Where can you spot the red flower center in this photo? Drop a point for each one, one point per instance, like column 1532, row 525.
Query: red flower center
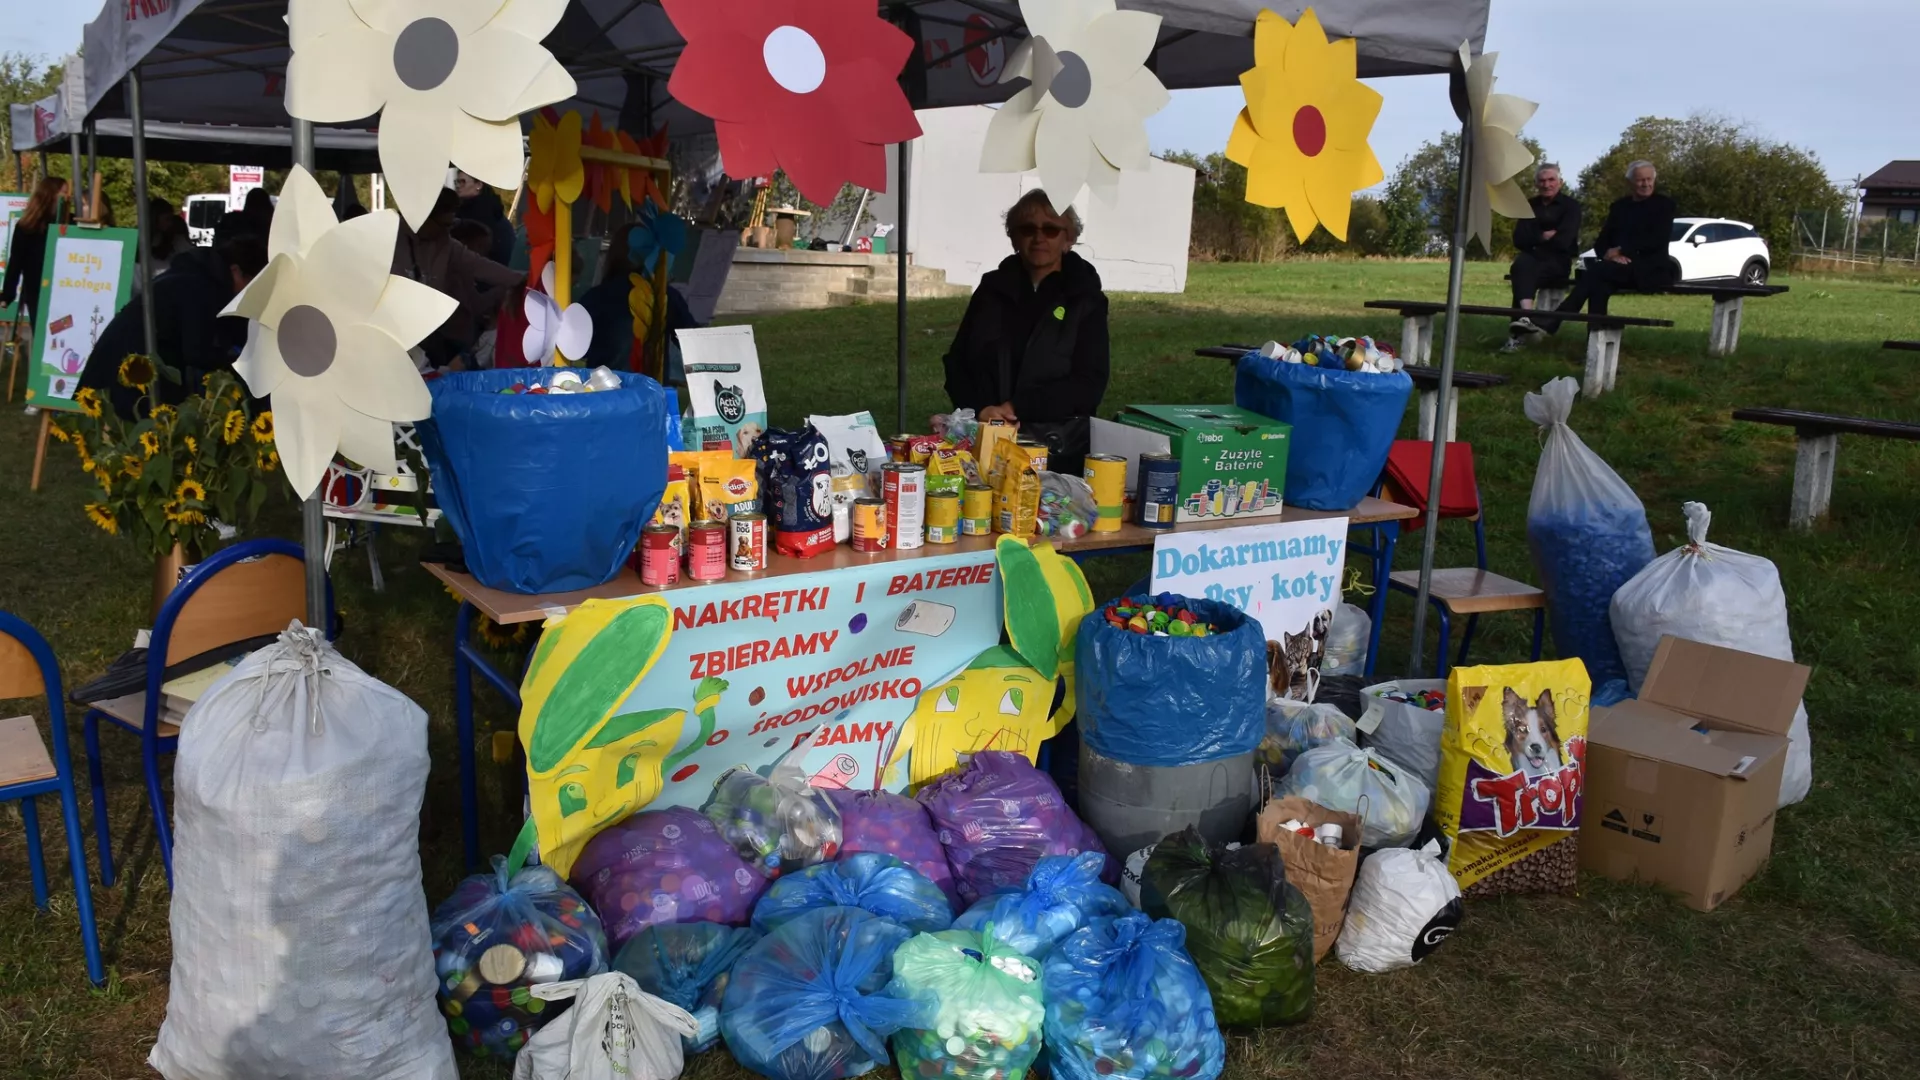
column 1309, row 130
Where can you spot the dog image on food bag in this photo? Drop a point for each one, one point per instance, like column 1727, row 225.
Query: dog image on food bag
column 1293, row 662
column 1532, row 740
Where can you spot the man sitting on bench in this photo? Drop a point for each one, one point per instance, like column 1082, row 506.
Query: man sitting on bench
column 1546, row 243
column 1633, row 252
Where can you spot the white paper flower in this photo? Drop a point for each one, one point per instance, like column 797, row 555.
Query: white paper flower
column 330, row 332
column 549, row 327
column 1084, row 117
column 449, row 79
column 1498, row 153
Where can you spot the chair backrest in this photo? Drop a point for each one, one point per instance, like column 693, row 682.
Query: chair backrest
column 251, row 589
column 1409, row 472
column 20, row 675
column 28, row 669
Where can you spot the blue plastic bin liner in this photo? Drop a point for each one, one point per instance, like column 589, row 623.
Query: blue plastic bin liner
column 546, row 493
column 1125, row 1002
column 1166, row 701
column 878, row 884
column 689, row 965
column 1343, row 423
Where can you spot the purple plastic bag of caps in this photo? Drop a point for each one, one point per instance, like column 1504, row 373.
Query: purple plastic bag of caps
column 998, row 817
column 665, row 866
column 796, row 489
column 891, row 824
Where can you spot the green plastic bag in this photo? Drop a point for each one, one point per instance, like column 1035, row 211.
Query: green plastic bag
column 988, row 1001
column 1249, row 931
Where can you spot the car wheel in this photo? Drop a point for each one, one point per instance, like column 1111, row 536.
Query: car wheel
column 1755, row 272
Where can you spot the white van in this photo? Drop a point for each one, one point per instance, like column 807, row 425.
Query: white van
column 203, row 213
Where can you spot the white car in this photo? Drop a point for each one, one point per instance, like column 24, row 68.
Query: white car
column 1716, row 249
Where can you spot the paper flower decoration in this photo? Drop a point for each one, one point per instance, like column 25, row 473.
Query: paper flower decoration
column 1498, row 153
column 801, row 85
column 330, row 332
column 658, row 232
column 644, row 184
column 1303, row 134
column 1084, row 118
column 449, row 79
column 554, row 169
column 551, row 327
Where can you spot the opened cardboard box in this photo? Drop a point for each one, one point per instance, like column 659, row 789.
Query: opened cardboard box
column 1682, row 783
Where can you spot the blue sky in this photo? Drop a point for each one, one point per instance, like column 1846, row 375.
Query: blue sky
column 1831, row 77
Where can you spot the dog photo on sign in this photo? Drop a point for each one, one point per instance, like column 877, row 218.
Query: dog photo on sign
column 1293, row 662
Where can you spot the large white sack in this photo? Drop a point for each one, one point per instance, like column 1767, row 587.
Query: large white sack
column 1404, row 905
column 300, row 942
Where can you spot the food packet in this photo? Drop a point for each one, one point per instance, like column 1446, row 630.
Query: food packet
column 729, row 487
column 1017, row 502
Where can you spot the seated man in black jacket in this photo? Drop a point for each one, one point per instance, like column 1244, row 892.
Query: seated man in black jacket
column 1547, row 241
column 1032, row 348
column 1632, row 248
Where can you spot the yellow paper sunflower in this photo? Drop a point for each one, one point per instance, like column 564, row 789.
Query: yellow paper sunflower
column 103, row 517
column 149, row 443
column 1303, row 134
column 136, row 372
column 233, row 427
column 163, row 415
column 263, row 427
column 190, row 491
column 89, row 402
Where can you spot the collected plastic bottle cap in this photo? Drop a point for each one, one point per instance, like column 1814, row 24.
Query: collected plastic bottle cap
column 564, row 381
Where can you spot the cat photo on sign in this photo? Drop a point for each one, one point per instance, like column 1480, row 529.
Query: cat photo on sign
column 1293, row 662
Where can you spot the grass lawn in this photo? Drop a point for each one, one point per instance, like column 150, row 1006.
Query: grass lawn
column 1813, row 970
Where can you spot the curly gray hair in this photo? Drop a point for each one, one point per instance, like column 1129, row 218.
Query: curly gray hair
column 1037, row 199
column 1642, row 164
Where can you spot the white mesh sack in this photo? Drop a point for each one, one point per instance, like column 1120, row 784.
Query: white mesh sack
column 1717, row 596
column 1404, row 905
column 300, row 941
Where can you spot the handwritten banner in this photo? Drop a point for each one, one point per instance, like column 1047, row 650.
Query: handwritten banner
column 86, row 279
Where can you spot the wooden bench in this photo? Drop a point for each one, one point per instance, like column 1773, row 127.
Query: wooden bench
column 1728, row 298
column 1426, row 379
column 1907, row 346
column 1603, row 335
column 1819, row 435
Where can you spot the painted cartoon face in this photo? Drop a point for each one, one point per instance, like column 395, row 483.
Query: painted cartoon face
column 998, row 703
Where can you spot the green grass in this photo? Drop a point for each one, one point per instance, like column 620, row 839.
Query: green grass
column 1813, row 970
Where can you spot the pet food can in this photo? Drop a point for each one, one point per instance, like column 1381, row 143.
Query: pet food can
column 747, row 542
column 943, row 518
column 976, row 510
column 1034, row 452
column 904, row 486
column 1159, row 490
column 1329, row 834
column 899, row 448
column 1107, row 476
column 707, row 551
column 869, row 525
column 659, row 555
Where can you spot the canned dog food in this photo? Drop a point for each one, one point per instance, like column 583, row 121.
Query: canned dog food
column 869, row 525
column 943, row 518
column 747, row 542
column 1106, row 474
column 707, row 551
column 904, row 486
column 976, row 510
column 659, row 555
column 898, row 448
column 1159, row 497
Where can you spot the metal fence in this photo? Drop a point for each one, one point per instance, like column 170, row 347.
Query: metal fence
column 1850, row 241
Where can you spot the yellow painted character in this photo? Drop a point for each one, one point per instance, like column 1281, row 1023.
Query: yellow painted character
column 997, row 703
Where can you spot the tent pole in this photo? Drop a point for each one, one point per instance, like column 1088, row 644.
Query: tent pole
column 93, row 168
column 313, row 524
column 142, row 217
column 899, row 247
column 1455, row 270
column 74, row 184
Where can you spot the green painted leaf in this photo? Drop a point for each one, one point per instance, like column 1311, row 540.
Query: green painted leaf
column 1033, row 619
column 631, row 723
column 596, row 682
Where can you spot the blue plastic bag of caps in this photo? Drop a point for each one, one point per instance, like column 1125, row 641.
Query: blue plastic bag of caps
column 1063, row 894
column 879, row 884
column 890, row 823
column 811, row 1000
column 689, row 965
column 1343, row 423
column 547, row 492
column 1125, row 1002
column 988, row 1008
column 1163, row 701
column 496, row 937
column 1588, row 534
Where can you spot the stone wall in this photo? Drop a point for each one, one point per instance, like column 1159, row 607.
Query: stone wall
column 764, row 280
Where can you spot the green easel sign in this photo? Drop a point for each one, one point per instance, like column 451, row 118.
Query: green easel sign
column 86, row 279
column 11, row 204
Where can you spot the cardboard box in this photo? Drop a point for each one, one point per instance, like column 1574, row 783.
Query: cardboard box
column 1682, row 784
column 1233, row 463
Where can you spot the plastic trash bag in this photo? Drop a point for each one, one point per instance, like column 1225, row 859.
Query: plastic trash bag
column 1125, row 1001
column 1707, row 593
column 1062, row 895
column 1343, row 422
column 1164, row 701
column 1404, row 905
column 688, row 964
column 987, row 1011
column 300, row 932
column 1295, row 727
column 615, row 1031
column 1347, row 641
column 779, row 822
column 494, row 939
column 879, row 884
column 1588, row 533
column 810, row 1001
column 997, row 817
column 1404, row 732
column 1390, row 802
column 665, row 866
column 1249, row 930
column 888, row 823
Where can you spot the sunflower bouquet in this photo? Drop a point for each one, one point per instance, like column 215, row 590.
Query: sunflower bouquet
column 167, row 478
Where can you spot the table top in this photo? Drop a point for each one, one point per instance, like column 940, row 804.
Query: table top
column 506, row 607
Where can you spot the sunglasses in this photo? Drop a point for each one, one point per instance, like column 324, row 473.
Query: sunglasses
column 1030, row 230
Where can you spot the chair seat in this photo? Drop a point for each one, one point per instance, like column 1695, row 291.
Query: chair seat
column 130, row 712
column 23, row 754
column 1470, row 591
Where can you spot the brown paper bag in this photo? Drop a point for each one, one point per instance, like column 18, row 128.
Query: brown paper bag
column 1324, row 874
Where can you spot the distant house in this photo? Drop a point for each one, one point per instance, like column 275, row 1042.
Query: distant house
column 1893, row 192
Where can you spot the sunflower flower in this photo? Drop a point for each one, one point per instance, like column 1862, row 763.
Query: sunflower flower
column 190, row 491
column 234, row 426
column 136, row 372
column 181, row 514
column 103, row 517
column 89, row 401
column 149, row 443
column 500, row 637
column 80, row 447
column 270, row 462
column 132, row 466
column 193, row 445
column 59, row 433
column 263, row 427
column 163, row 415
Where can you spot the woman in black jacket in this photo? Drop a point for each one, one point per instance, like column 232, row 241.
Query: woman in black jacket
column 1032, row 348
column 28, row 248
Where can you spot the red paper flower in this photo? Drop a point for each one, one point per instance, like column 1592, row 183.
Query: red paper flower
column 802, row 85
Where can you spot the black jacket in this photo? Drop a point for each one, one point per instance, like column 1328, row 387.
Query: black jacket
column 191, row 336
column 1044, row 349
column 25, row 256
column 1641, row 230
column 485, row 208
column 1559, row 215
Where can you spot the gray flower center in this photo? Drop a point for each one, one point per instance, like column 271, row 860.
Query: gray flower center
column 425, row 52
column 1074, row 84
column 307, row 340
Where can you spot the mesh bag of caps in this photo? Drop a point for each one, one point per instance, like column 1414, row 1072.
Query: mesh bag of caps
column 689, row 965
column 997, row 817
column 986, row 1011
column 498, row 936
column 1512, row 766
column 1062, row 895
column 878, row 884
column 1125, row 1000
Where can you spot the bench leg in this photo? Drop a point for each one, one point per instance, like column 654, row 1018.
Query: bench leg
column 1449, row 432
column 1813, row 479
column 1725, row 336
column 1603, row 360
column 1545, row 299
column 1416, row 339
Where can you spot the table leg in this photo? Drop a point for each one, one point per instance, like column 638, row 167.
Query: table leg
column 1382, row 569
column 463, row 729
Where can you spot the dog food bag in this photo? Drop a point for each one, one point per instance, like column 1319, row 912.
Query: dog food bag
column 689, row 965
column 796, row 483
column 1061, row 895
column 1389, row 800
column 987, row 1011
column 665, row 866
column 1402, row 721
column 1512, row 766
column 726, row 405
column 692, row 463
column 778, row 823
column 728, row 487
column 1404, row 905
column 1707, row 593
column 854, row 440
column 889, row 823
column 1295, row 727
column 998, row 816
column 1588, row 533
column 879, row 884
column 1125, row 1002
column 1248, row 929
